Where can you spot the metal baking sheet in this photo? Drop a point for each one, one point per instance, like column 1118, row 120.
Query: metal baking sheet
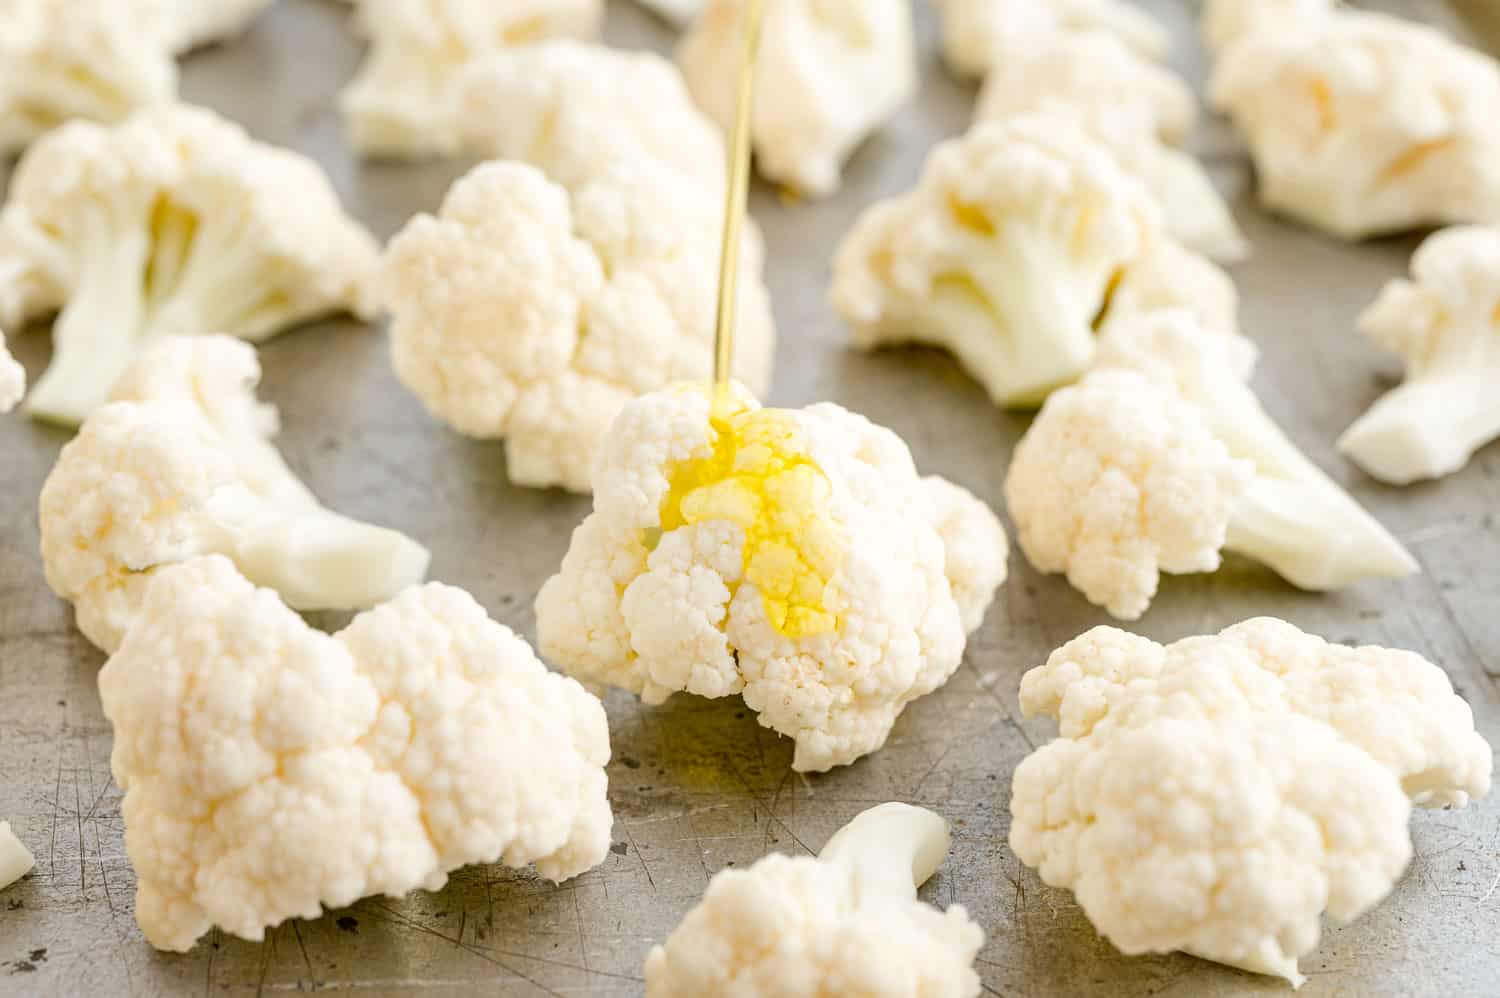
column 697, row 785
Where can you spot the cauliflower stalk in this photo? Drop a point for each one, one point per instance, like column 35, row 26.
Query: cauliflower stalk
column 15, row 859
column 183, row 466
column 847, row 922
column 12, row 378
column 979, row 35
column 1445, row 325
column 174, row 222
column 271, row 770
column 790, row 556
column 1161, row 459
column 1217, row 795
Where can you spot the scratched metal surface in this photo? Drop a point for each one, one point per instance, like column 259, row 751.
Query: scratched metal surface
column 697, row 786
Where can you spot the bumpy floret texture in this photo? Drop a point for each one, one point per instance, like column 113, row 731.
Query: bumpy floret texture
column 978, row 35
column 270, row 770
column 790, row 556
column 1219, row 794
column 12, row 379
column 1362, row 124
column 1226, row 22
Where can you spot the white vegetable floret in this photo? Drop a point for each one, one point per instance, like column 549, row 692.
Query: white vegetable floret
column 1362, row 124
column 1172, row 277
column 524, row 313
column 401, row 104
column 1162, row 458
column 15, row 859
column 847, row 922
column 174, row 222
column 1217, row 795
column 1140, row 110
column 1445, row 326
column 792, row 556
column 831, row 72
column 980, row 34
column 1226, row 22
column 12, row 378
column 271, row 770
column 183, row 466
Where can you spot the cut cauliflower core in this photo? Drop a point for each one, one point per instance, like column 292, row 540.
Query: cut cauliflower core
column 12, row 378
column 15, row 859
column 981, row 34
column 792, row 556
column 847, row 922
column 174, row 222
column 183, row 466
column 271, row 770
column 1216, row 796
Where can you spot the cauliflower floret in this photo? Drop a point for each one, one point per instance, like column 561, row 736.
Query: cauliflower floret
column 830, row 73
column 526, row 314
column 1004, row 253
column 1140, row 110
column 1226, row 22
column 1445, row 326
column 980, row 34
column 270, row 770
column 977, row 549
column 1161, row 458
column 1216, row 796
column 12, row 378
column 792, row 556
column 1172, row 277
column 1362, row 124
column 847, row 922
column 183, row 466
column 173, row 222
column 401, row 104
column 15, row 859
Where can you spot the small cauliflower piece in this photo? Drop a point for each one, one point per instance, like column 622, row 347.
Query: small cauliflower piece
column 271, row 770
column 1162, row 458
column 790, row 556
column 1226, row 22
column 978, row 552
column 174, row 222
column 980, row 34
column 1173, row 277
column 1140, row 110
column 830, row 73
column 12, row 378
column 1362, row 124
column 1445, row 326
column 184, row 467
column 1217, row 795
column 15, row 859
column 527, row 314
column 1004, row 253
column 402, row 102
column 847, row 922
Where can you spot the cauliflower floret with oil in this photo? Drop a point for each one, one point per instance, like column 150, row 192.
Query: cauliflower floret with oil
column 790, row 556
column 1226, row 22
column 830, row 73
column 1444, row 324
column 845, row 922
column 1218, row 795
column 401, row 104
column 183, row 466
column 980, row 34
column 173, row 222
column 12, row 378
column 1362, row 124
column 271, row 770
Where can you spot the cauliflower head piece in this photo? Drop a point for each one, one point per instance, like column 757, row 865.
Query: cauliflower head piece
column 845, row 922
column 789, row 556
column 979, row 35
column 1162, row 458
column 401, row 103
column 1226, row 22
column 182, row 467
column 173, row 222
column 831, row 72
column 1004, row 253
column 271, row 770
column 12, row 378
column 1444, row 324
column 1362, row 124
column 1217, row 795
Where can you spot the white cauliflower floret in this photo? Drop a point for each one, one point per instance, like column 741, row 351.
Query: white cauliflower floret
column 183, row 466
column 12, row 378
column 1004, row 253
column 1226, row 22
column 977, row 549
column 1362, row 124
column 980, row 34
column 792, row 556
column 847, row 922
column 1140, row 110
column 830, row 73
column 1445, row 326
column 526, row 314
column 15, row 859
column 174, row 222
column 271, row 770
column 1216, row 796
column 401, row 104
column 1163, row 457
column 1172, row 277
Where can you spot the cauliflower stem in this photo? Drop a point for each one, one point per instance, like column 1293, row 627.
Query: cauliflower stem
column 1431, row 426
column 889, row 851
